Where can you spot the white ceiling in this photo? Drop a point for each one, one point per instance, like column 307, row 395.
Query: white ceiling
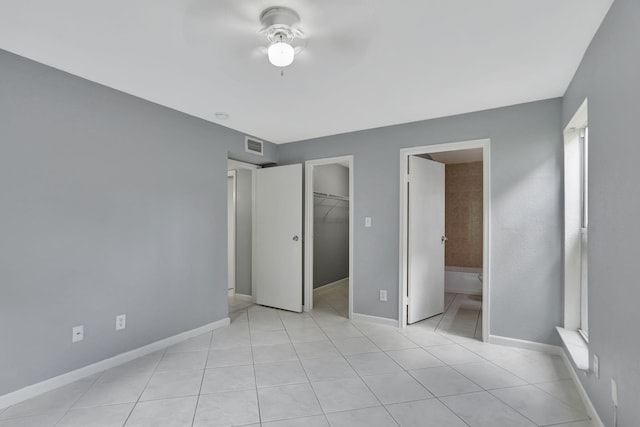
column 368, row 63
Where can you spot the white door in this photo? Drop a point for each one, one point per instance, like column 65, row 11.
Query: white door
column 231, row 230
column 426, row 239
column 278, row 240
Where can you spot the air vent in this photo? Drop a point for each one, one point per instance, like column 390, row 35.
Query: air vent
column 253, row 146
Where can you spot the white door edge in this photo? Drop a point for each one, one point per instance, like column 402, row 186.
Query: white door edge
column 236, row 164
column 232, row 236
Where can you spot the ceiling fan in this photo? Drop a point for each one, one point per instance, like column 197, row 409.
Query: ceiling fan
column 280, row 25
column 247, row 31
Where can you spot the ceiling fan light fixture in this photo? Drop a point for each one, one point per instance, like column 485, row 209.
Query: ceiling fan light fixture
column 281, row 54
column 279, row 25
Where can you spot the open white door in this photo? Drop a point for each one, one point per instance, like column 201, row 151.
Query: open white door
column 278, row 239
column 231, row 231
column 426, row 239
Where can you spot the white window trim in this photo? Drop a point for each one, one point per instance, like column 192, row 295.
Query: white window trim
column 575, row 341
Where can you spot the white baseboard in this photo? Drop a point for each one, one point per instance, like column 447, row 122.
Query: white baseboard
column 86, row 371
column 374, row 319
column 331, row 285
column 244, row 297
column 527, row 345
column 591, row 410
column 464, row 291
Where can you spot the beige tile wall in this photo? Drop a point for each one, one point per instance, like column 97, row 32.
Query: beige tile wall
column 463, row 214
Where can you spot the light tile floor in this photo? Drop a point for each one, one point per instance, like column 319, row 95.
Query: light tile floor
column 462, row 316
column 275, row 368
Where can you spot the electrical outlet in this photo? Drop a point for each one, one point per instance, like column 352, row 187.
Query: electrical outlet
column 596, row 366
column 367, row 221
column 614, row 392
column 383, row 295
column 77, row 333
column 121, row 321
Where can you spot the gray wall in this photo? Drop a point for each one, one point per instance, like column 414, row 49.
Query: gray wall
column 243, row 231
column 526, row 232
column 108, row 204
column 609, row 77
column 331, row 225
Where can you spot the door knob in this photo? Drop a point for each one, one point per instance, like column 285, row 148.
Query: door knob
column 444, row 239
column 295, row 238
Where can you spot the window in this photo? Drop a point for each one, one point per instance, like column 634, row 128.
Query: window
column 584, row 221
column 575, row 333
column 576, row 220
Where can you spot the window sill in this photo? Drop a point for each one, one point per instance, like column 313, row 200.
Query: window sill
column 576, row 347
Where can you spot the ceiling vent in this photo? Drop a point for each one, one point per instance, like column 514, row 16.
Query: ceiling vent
column 253, row 146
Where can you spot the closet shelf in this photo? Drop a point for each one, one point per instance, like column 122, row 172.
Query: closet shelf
column 336, row 198
column 330, row 196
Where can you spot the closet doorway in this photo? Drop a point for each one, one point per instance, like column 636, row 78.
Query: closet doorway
column 328, row 281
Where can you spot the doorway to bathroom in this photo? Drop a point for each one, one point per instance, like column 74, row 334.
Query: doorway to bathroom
column 444, row 241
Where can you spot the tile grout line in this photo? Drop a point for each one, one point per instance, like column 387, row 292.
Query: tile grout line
column 204, row 372
column 324, row 414
column 367, row 385
column 76, row 400
column 253, row 364
column 164, row 351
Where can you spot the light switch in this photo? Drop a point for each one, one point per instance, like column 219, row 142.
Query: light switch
column 367, row 221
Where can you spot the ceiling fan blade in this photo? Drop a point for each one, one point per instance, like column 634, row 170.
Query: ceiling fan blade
column 205, row 20
column 334, row 35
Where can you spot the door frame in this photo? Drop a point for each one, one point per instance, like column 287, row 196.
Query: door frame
column 232, row 254
column 485, row 144
column 235, row 165
column 308, row 228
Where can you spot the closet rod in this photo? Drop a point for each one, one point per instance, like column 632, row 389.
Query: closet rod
column 330, row 196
